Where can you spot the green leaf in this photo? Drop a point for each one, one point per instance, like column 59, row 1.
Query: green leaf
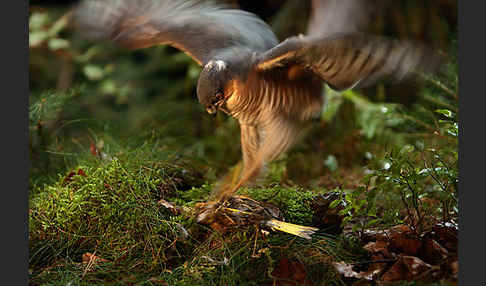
column 58, row 26
column 334, row 203
column 108, row 87
column 93, row 72
column 346, row 220
column 36, row 38
column 89, row 54
column 331, row 107
column 56, row 44
column 344, row 211
column 447, row 113
column 407, row 149
column 37, row 20
column 331, row 162
column 372, row 222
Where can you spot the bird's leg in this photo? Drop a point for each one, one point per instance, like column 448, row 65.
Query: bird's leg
column 250, row 142
column 280, row 135
column 247, row 175
column 229, row 180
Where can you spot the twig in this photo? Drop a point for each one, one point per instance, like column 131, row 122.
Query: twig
column 90, row 263
column 253, row 255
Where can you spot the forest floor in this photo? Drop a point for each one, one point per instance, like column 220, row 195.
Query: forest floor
column 130, row 219
column 122, row 157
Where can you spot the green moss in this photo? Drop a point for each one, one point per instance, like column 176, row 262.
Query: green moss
column 111, row 208
column 294, row 202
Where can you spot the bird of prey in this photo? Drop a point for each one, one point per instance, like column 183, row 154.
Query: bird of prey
column 272, row 88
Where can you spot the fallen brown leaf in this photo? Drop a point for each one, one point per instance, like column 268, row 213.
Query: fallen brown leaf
column 347, row 270
column 373, row 235
column 405, row 240
column 363, row 282
column 415, row 265
column 326, row 217
column 290, row 273
column 432, row 252
column 446, row 235
column 383, row 234
column 406, row 268
column 378, row 247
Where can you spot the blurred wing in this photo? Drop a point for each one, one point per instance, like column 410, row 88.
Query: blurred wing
column 352, row 60
column 199, row 29
column 328, row 17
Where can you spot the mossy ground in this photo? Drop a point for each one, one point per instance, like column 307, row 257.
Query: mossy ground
column 112, row 132
column 109, row 207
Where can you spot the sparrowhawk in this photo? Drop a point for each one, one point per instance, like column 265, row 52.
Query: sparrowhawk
column 273, row 89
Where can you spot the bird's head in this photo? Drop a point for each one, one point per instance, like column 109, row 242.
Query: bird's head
column 211, row 86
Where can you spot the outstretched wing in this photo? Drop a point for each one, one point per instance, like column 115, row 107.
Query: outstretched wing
column 200, row 29
column 351, row 60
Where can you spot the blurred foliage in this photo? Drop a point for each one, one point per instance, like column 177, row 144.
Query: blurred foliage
column 414, row 181
column 131, row 122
